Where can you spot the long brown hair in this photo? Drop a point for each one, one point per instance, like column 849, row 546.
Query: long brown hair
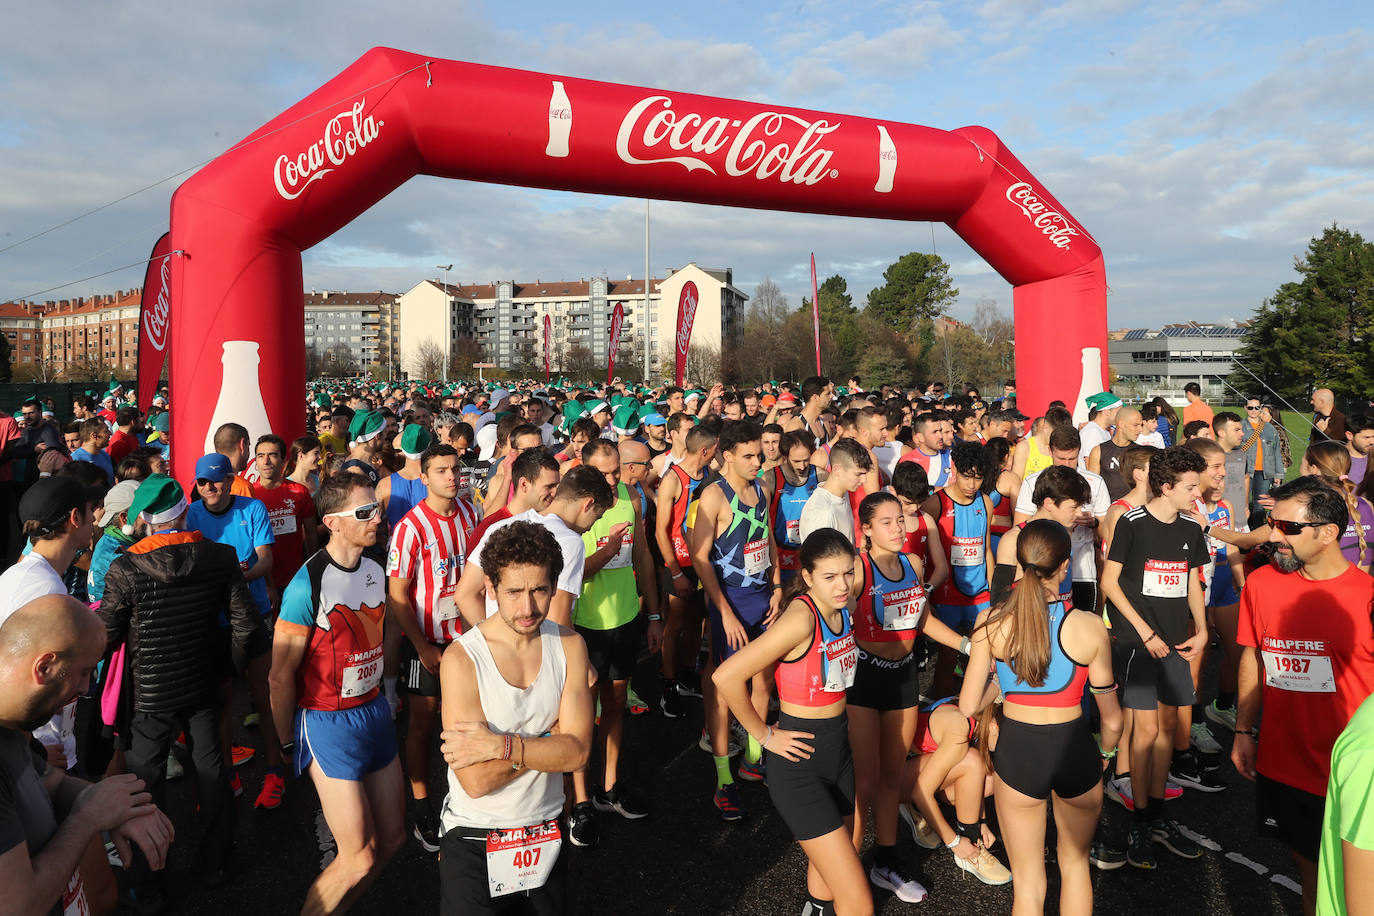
column 1331, row 461
column 1041, row 548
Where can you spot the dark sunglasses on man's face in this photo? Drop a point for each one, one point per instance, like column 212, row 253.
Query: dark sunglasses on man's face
column 1290, row 528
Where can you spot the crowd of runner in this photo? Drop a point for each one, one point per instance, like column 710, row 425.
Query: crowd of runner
column 484, row 570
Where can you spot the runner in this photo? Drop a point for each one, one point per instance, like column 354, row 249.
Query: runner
column 962, row 512
column 428, row 550
column 1033, row 452
column 1152, row 592
column 676, row 509
column 1001, row 486
column 534, row 473
column 929, row 451
column 922, row 533
column 810, row 770
column 788, row 486
column 326, row 666
column 1346, row 866
column 1105, row 458
column 400, row 491
column 1097, row 430
column 1306, row 672
column 1060, row 491
column 677, row 427
column 290, row 511
column 889, row 612
column 828, row 506
column 735, row 558
column 607, row 619
column 506, row 683
column 1044, row 654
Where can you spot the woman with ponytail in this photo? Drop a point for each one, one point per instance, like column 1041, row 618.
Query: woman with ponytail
column 1044, row 655
column 810, row 768
column 890, row 610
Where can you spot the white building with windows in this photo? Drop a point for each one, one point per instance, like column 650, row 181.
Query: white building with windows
column 1163, row 361
column 349, row 319
column 506, row 317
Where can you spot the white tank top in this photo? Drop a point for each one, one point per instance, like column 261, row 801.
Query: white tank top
column 532, row 797
column 668, row 461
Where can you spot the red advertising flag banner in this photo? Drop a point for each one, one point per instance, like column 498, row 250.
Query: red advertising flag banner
column 617, row 320
column 548, row 345
column 686, row 313
column 815, row 314
column 154, row 320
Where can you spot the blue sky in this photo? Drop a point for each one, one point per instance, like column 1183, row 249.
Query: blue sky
column 1202, row 144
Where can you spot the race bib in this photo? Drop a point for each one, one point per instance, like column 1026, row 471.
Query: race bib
column 966, row 551
column 359, row 678
column 755, row 557
column 522, row 859
column 445, row 609
column 1297, row 672
column 624, row 556
column 285, row 523
column 902, row 610
column 794, row 531
column 841, row 661
column 1165, row 579
column 74, row 897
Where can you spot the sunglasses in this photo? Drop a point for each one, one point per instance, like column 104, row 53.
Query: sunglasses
column 1248, row 407
column 1289, row 528
column 362, row 513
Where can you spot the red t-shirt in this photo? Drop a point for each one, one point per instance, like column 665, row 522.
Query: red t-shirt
column 1317, row 648
column 121, row 444
column 290, row 509
column 500, row 514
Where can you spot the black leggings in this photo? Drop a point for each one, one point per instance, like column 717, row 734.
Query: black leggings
column 1037, row 759
column 815, row 795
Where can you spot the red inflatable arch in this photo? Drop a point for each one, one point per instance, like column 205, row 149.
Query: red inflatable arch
column 243, row 220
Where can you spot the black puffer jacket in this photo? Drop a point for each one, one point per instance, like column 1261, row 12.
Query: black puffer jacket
column 164, row 596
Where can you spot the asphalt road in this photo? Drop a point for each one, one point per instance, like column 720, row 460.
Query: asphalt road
column 683, row 860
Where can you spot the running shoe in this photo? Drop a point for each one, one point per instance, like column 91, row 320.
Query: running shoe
column 728, row 803
column 252, row 720
column 174, row 768
column 622, row 801
column 239, row 755
column 892, row 878
column 1118, row 789
column 1172, row 790
column 236, row 784
column 984, row 867
column 1104, row 858
column 1141, row 852
column 426, row 834
column 671, row 702
column 273, row 787
column 689, row 685
column 1166, row 833
column 1202, row 741
column 1187, row 770
column 754, row 772
column 1226, row 718
column 181, row 741
column 583, row 829
column 921, row 831
column 635, row 704
column 704, row 742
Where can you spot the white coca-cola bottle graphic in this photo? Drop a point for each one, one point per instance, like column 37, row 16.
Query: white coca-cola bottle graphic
column 887, row 161
column 560, row 122
column 1090, row 385
column 240, row 393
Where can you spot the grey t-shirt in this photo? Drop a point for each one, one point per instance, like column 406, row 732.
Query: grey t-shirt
column 1234, row 489
column 26, row 814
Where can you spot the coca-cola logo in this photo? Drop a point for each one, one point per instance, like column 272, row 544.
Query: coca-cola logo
column 344, row 135
column 560, row 114
column 1051, row 223
column 617, row 318
column 155, row 321
column 767, row 144
column 686, row 312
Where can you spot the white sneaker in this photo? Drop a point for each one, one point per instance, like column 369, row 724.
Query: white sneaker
column 906, row 888
column 1202, row 740
column 984, row 867
column 174, row 768
column 1118, row 789
column 920, row 828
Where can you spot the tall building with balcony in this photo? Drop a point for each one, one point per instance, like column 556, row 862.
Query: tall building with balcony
column 353, row 320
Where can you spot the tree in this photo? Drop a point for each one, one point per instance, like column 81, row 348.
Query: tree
column 580, row 364
column 466, row 351
column 764, row 328
column 916, row 286
column 1317, row 332
column 338, row 361
column 427, row 360
column 703, row 365
column 840, row 340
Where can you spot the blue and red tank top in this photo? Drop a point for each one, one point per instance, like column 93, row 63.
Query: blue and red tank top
column 887, row 610
column 1064, row 678
column 784, row 514
column 821, row 674
column 684, row 514
column 964, row 529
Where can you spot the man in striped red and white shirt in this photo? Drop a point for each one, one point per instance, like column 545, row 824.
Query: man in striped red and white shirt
column 428, row 550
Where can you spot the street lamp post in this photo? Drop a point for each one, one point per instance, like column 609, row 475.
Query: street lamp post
column 448, row 318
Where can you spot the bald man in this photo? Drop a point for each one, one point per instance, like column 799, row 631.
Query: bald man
column 1105, row 459
column 1329, row 421
column 50, row 821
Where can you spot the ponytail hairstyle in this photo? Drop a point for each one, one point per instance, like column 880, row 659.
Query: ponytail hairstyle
column 1041, row 549
column 987, row 719
column 997, row 449
column 869, row 507
column 1330, row 462
column 822, row 544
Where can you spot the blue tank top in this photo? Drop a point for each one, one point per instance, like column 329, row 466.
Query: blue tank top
column 1064, row 678
column 404, row 496
column 739, row 555
column 964, row 529
column 887, row 610
column 788, row 502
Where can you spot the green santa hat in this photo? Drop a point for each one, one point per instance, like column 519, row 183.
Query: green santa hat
column 572, row 412
column 159, row 501
column 366, row 426
column 625, row 420
column 414, row 440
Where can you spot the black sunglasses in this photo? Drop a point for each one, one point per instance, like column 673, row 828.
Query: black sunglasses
column 1290, row 528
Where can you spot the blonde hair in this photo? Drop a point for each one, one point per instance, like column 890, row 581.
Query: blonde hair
column 1331, row 462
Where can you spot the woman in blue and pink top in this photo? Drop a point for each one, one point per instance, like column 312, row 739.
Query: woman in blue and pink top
column 810, row 770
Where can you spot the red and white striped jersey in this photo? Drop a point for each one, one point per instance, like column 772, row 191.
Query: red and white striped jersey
column 430, row 550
